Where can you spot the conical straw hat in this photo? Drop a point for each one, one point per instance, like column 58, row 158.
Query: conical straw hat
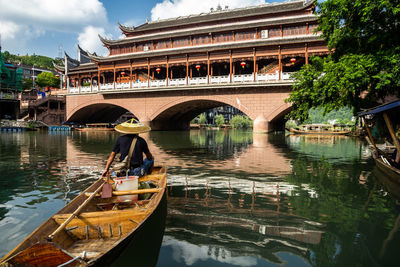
column 132, row 127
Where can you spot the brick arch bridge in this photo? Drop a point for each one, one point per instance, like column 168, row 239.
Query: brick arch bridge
column 174, row 109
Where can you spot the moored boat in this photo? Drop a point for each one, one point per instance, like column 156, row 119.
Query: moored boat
column 321, row 129
column 95, row 235
column 389, row 114
column 93, row 127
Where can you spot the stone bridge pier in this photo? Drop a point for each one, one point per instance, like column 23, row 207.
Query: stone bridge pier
column 174, row 109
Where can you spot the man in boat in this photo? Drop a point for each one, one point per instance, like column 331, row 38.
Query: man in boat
column 132, row 129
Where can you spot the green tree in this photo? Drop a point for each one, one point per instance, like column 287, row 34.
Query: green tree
column 219, row 120
column 45, row 79
column 27, row 84
column 364, row 66
column 202, row 118
column 238, row 122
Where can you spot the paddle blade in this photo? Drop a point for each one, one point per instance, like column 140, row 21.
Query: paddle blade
column 106, row 191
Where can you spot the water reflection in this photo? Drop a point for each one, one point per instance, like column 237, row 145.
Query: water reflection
column 234, row 198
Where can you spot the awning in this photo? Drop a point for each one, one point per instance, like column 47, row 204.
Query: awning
column 380, row 108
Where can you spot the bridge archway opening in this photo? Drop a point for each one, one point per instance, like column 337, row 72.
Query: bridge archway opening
column 102, row 113
column 279, row 121
column 178, row 117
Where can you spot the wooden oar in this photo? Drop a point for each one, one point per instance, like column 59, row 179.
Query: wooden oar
column 130, row 192
column 76, row 212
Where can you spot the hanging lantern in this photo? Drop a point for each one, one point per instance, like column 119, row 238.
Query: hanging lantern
column 293, row 60
column 123, row 73
column 243, row 64
column 158, row 70
column 198, row 67
column 57, row 76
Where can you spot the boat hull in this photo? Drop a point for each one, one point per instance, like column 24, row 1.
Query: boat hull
column 391, row 172
column 109, row 230
column 320, row 132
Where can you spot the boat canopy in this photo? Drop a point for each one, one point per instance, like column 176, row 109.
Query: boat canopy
column 381, row 108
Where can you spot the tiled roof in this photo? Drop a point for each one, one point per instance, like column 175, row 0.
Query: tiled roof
column 218, row 28
column 268, row 8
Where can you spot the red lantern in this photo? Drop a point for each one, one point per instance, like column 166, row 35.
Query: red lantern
column 198, row 67
column 158, row 70
column 123, row 73
column 293, row 60
column 57, row 76
column 243, row 64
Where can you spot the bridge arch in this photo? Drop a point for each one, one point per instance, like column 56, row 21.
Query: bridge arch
column 177, row 114
column 97, row 112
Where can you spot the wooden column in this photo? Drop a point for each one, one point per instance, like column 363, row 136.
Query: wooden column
column 306, row 53
column 233, row 36
column 167, row 71
column 187, row 69
column 212, row 71
column 91, row 82
column 211, row 36
column 114, row 74
column 191, row 41
column 281, row 31
column 79, row 83
column 391, row 131
column 191, row 73
column 208, row 68
column 98, row 78
column 280, row 63
column 230, row 66
column 171, row 74
column 172, row 43
column 307, row 28
column 148, row 72
column 254, row 63
column 130, row 75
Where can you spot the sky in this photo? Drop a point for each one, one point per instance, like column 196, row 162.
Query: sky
column 48, row 27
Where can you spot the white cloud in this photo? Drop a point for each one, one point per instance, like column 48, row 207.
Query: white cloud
column 24, row 20
column 89, row 40
column 176, row 8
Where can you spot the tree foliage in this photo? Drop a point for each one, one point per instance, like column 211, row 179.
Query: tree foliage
column 27, row 84
column 238, row 122
column 30, row 60
column 219, row 120
column 202, row 118
column 45, row 79
column 364, row 66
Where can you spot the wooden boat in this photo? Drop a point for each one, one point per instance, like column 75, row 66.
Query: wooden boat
column 384, row 161
column 90, row 127
column 320, row 129
column 98, row 234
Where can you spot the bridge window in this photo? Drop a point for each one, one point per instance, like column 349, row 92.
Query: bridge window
column 245, row 35
column 180, row 42
column 222, row 37
column 274, row 32
column 162, row 44
column 294, row 30
column 199, row 40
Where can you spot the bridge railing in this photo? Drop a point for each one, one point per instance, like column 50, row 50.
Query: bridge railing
column 181, row 82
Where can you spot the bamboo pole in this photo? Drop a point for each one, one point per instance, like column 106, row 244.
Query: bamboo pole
column 76, row 212
column 391, row 131
column 370, row 136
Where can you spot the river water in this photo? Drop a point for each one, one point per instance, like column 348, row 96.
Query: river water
column 234, row 198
